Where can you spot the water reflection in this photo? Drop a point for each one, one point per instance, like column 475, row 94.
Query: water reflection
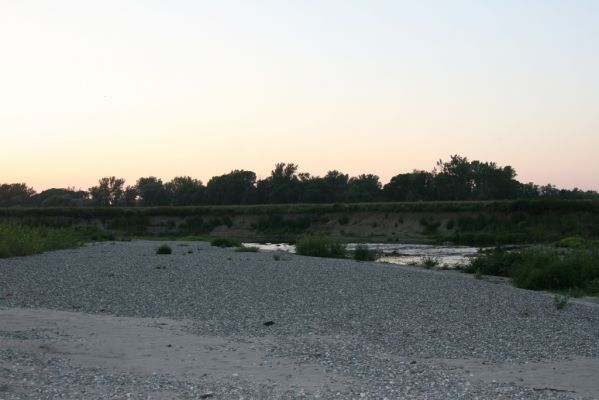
column 396, row 253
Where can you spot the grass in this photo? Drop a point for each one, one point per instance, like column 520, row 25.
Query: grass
column 572, row 271
column 577, row 242
column 534, row 206
column 23, row 240
column 429, row 261
column 247, row 249
column 164, row 249
column 225, row 242
column 561, row 302
column 320, row 246
column 363, row 253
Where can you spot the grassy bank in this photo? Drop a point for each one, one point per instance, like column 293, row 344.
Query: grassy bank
column 23, row 240
column 508, row 206
column 571, row 271
column 470, row 223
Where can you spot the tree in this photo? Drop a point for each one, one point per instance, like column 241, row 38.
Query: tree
column 185, row 191
column 413, row 186
column 282, row 186
column 59, row 197
column 236, row 187
column 15, row 194
column 152, row 192
column 364, row 188
column 108, row 192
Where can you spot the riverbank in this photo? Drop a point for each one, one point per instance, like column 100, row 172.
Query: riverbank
column 369, row 330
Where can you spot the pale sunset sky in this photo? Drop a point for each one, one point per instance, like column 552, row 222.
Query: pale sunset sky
column 169, row 88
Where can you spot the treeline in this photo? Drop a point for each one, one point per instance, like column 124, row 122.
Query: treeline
column 458, row 179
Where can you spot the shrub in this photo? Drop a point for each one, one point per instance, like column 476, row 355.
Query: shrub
column 363, row 253
column 344, row 220
column 225, row 242
column 496, row 262
column 543, row 269
column 249, row 249
column 164, row 249
column 429, row 262
column 276, row 257
column 320, row 246
column 561, row 302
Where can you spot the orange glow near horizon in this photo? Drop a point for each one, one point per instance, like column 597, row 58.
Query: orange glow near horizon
column 184, row 88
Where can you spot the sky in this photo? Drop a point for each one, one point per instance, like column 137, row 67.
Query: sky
column 169, row 88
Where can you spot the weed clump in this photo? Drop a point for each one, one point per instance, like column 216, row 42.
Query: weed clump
column 561, row 302
column 164, row 249
column 363, row 253
column 320, row 246
column 225, row 242
column 429, row 261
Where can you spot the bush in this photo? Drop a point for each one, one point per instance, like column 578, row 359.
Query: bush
column 320, row 246
column 542, row 269
column 363, row 253
column 496, row 262
column 249, row 249
column 225, row 242
column 429, row 262
column 164, row 249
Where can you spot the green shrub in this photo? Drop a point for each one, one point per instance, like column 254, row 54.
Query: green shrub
column 363, row 253
column 276, row 257
column 561, row 302
column 542, row 269
column 164, row 249
column 320, row 246
column 225, row 242
column 344, row 220
column 496, row 262
column 248, row 249
column 429, row 261
column 22, row 240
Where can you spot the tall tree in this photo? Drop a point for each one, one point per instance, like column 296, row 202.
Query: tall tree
column 108, row 192
column 15, row 194
column 185, row 191
column 236, row 187
column 152, row 192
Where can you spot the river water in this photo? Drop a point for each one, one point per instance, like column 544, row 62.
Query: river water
column 448, row 256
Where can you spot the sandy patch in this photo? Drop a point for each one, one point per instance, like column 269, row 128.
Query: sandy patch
column 143, row 346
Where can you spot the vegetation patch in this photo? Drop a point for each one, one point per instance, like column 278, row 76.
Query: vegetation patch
column 320, row 246
column 575, row 270
column 23, row 240
column 577, row 242
column 363, row 253
column 164, row 249
column 225, row 242
column 429, row 261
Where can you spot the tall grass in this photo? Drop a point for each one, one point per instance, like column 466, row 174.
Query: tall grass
column 320, row 246
column 22, row 240
column 543, row 269
column 363, row 253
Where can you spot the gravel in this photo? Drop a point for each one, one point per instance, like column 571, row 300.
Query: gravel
column 390, row 330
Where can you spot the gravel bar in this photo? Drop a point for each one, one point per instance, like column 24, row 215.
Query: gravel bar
column 374, row 330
